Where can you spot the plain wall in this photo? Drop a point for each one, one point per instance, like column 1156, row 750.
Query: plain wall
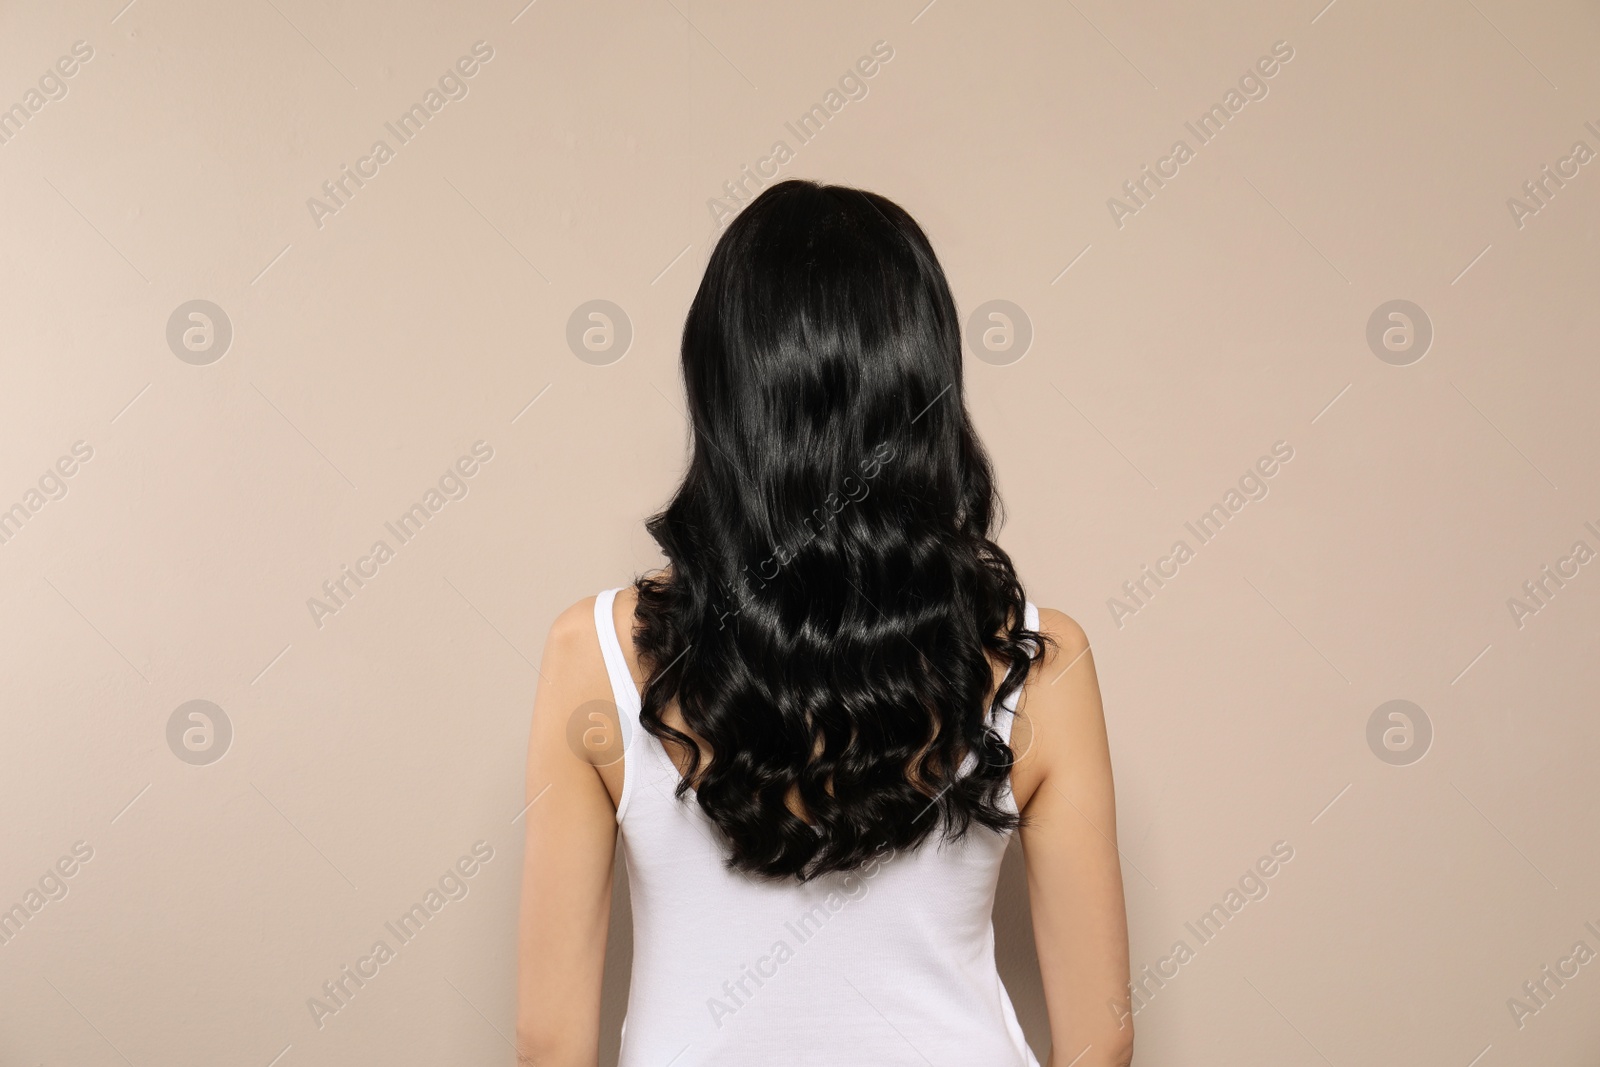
column 1174, row 342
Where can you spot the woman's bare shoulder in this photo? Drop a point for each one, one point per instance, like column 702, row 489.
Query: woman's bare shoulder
column 574, row 638
column 1069, row 638
column 576, row 710
column 1059, row 710
column 572, row 666
column 1066, row 644
column 574, row 622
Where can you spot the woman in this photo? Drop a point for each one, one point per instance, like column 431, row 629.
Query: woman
column 836, row 705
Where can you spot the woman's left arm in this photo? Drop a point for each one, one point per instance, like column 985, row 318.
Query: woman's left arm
column 571, row 834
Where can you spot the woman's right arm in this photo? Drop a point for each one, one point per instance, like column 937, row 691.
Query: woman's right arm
column 1080, row 926
column 570, row 843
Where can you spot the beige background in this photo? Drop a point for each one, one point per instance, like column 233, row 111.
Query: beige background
column 1229, row 313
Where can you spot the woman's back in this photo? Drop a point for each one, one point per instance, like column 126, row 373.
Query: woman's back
column 891, row 963
column 838, row 703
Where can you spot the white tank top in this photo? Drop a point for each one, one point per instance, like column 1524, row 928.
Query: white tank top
column 890, row 964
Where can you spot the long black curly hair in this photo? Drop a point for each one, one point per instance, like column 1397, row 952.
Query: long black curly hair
column 833, row 599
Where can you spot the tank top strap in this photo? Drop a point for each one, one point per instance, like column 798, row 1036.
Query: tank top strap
column 623, row 692
column 623, row 689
